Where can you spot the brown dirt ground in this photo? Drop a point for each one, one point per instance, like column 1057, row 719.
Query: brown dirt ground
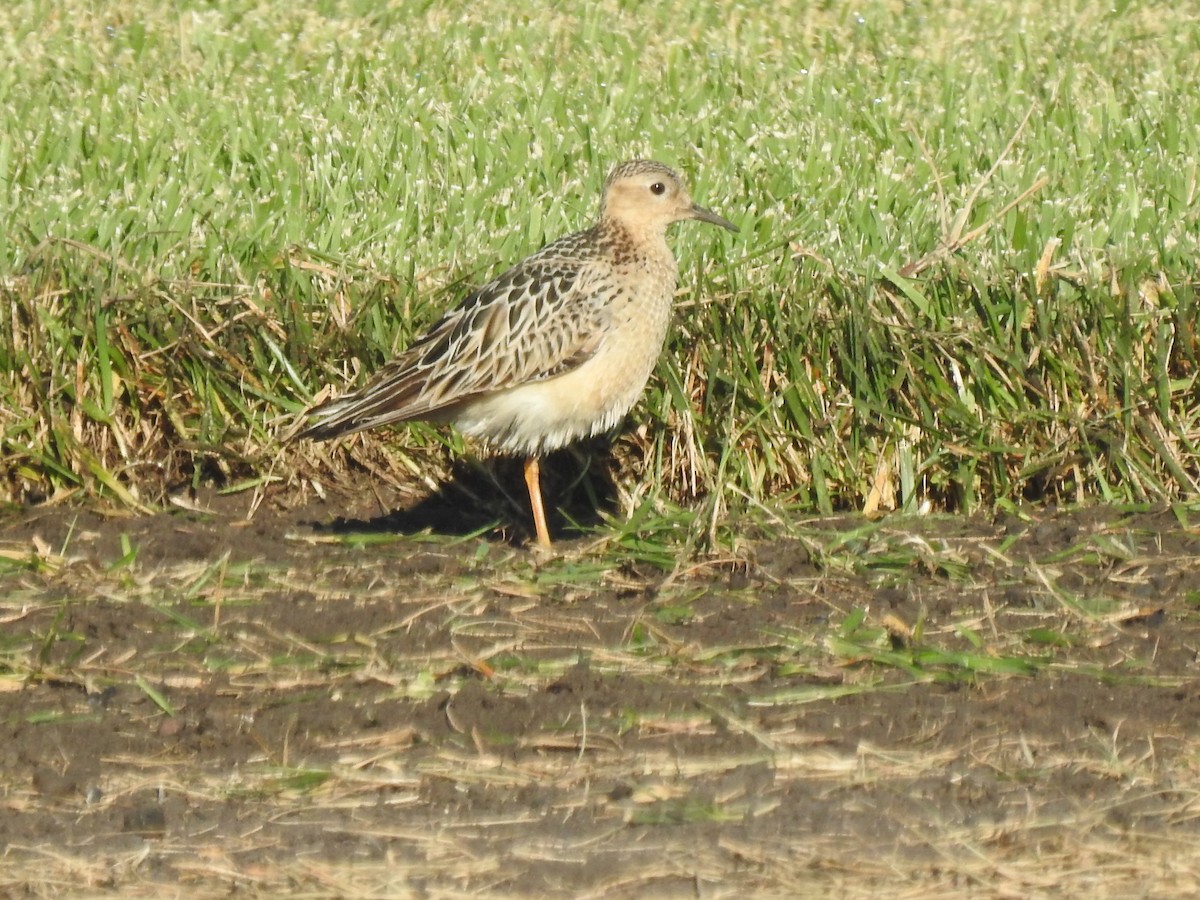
column 301, row 704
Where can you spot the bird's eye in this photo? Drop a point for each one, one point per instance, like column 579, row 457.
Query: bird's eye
column 658, row 188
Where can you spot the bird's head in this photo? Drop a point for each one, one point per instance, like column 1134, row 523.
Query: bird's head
column 647, row 196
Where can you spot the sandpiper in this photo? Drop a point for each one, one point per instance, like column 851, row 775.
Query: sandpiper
column 556, row 349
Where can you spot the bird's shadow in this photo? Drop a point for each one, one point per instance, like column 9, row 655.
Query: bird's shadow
column 488, row 498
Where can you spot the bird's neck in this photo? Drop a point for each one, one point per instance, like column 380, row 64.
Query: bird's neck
column 628, row 243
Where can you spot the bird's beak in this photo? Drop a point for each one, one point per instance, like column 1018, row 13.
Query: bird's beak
column 707, row 215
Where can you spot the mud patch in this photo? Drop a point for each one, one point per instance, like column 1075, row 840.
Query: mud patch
column 910, row 705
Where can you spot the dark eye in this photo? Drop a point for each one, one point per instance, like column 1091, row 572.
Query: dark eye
column 658, row 188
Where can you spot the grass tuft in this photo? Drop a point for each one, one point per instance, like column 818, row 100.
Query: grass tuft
column 965, row 277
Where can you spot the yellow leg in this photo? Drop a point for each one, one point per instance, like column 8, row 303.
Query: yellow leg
column 534, row 484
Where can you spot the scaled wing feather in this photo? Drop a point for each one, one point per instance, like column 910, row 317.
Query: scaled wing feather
column 535, row 321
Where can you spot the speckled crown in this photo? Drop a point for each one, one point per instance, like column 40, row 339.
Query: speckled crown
column 640, row 167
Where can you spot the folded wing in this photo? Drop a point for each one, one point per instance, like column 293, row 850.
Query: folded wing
column 536, row 321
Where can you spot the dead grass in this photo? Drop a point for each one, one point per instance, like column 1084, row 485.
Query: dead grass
column 459, row 719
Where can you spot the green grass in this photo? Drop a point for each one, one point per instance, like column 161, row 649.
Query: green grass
column 966, row 272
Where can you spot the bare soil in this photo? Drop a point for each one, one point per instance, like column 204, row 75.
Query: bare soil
column 314, row 702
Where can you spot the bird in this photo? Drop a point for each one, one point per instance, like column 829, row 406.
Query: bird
column 555, row 350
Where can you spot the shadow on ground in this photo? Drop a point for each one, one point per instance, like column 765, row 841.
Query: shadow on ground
column 488, row 498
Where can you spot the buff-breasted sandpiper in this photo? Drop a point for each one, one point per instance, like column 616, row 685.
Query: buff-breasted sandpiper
column 556, row 349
